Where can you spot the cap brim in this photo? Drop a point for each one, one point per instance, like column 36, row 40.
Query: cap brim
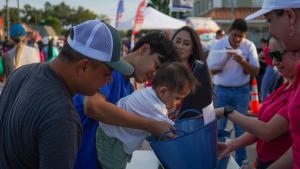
column 257, row 14
column 121, row 66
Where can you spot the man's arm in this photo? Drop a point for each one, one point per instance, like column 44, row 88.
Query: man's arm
column 58, row 142
column 98, row 108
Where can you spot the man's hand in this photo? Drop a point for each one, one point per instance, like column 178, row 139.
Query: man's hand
column 156, row 128
column 237, row 57
column 223, row 150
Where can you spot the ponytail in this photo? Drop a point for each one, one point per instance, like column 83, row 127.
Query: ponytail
column 19, row 52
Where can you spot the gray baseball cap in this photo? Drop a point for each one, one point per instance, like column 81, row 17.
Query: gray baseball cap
column 98, row 40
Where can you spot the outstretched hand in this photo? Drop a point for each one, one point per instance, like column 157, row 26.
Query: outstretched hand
column 223, row 150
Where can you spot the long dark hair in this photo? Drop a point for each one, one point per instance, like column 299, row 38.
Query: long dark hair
column 49, row 52
column 198, row 52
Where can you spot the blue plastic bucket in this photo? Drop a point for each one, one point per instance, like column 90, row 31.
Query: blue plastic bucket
column 193, row 149
column 222, row 135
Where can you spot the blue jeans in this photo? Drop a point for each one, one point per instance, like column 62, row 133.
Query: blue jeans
column 238, row 98
column 269, row 79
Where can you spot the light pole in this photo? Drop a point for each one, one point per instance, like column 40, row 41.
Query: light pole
column 232, row 9
column 18, row 7
column 7, row 19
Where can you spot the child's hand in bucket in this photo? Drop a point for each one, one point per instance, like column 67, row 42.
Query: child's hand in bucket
column 156, row 128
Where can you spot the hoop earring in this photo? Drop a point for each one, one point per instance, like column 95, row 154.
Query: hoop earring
column 292, row 30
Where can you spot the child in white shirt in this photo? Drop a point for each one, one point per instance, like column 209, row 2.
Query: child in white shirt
column 114, row 144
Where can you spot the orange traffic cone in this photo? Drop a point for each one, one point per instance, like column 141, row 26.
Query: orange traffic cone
column 254, row 103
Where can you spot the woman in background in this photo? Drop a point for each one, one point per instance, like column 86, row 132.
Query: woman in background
column 21, row 54
column 50, row 51
column 191, row 53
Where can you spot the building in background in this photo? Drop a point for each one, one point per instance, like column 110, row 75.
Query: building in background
column 223, row 12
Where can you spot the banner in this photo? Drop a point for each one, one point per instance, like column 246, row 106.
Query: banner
column 139, row 18
column 138, row 22
column 181, row 5
column 120, row 12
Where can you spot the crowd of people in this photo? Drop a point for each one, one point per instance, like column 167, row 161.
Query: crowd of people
column 77, row 108
column 20, row 49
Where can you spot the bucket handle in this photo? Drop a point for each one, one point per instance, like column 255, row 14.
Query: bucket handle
column 190, row 110
column 164, row 136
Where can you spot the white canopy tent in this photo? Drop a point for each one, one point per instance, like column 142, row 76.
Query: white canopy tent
column 203, row 24
column 153, row 19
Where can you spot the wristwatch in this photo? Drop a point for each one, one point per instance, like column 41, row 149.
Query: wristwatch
column 227, row 110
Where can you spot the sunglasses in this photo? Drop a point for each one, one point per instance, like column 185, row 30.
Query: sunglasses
column 276, row 55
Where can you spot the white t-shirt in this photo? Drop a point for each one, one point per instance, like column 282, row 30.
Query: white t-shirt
column 144, row 103
column 232, row 74
column 28, row 55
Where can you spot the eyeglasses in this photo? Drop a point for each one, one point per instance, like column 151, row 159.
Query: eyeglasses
column 276, row 55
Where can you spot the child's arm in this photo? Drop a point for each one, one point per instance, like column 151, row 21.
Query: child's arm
column 99, row 109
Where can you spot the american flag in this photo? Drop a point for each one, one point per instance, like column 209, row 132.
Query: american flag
column 120, row 12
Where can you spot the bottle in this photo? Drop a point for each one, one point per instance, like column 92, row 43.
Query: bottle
column 245, row 165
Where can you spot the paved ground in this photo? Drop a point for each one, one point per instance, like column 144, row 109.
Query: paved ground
column 251, row 150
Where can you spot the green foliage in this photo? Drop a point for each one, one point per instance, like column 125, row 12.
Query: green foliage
column 161, row 5
column 58, row 16
column 54, row 22
column 32, row 15
column 105, row 18
column 82, row 14
column 13, row 14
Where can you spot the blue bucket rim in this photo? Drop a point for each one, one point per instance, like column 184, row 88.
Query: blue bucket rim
column 179, row 137
column 187, row 119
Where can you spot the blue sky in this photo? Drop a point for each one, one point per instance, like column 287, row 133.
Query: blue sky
column 107, row 7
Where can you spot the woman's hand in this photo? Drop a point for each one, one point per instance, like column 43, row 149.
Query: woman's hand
column 219, row 112
column 223, row 150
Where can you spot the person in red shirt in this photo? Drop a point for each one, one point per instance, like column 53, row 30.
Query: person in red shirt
column 284, row 23
column 270, row 76
column 271, row 131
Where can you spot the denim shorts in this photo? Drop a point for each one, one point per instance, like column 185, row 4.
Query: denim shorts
column 110, row 152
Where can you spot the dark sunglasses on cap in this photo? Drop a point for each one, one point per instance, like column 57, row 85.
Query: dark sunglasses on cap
column 276, row 55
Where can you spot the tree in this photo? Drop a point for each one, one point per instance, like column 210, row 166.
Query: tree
column 48, row 9
column 63, row 12
column 32, row 15
column 81, row 15
column 54, row 22
column 105, row 18
column 13, row 14
column 58, row 16
column 161, row 5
